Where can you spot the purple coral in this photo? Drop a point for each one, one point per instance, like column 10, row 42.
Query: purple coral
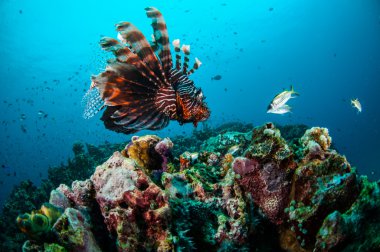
column 243, row 166
column 268, row 185
column 164, row 148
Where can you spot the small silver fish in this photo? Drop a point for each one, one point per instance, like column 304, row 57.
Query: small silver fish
column 281, row 99
column 281, row 110
column 356, row 104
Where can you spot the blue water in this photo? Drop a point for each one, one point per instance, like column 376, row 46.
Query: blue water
column 328, row 49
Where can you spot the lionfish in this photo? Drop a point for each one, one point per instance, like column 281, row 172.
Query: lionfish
column 140, row 88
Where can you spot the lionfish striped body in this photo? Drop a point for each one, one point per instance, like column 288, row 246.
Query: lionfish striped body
column 140, row 89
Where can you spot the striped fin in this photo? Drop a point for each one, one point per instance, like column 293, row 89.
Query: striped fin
column 142, row 48
column 133, row 75
column 134, row 117
column 153, row 43
column 161, row 37
column 122, row 53
column 186, row 50
column 118, row 90
column 177, row 50
column 196, row 65
column 125, row 55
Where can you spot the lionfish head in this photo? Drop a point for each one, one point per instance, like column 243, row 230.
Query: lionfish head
column 192, row 108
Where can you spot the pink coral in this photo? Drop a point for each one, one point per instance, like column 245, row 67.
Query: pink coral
column 243, row 166
column 74, row 231
column 267, row 183
column 126, row 194
column 213, row 159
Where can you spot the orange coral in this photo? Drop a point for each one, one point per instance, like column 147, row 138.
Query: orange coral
column 141, row 149
column 226, row 163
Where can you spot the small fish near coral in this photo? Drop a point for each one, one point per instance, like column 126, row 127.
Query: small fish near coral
column 278, row 104
column 140, row 88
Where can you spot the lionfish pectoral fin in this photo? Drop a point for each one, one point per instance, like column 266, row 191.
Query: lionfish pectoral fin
column 132, row 120
column 92, row 102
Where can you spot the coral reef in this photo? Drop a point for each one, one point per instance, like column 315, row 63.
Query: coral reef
column 133, row 206
column 26, row 196
column 356, row 229
column 230, row 191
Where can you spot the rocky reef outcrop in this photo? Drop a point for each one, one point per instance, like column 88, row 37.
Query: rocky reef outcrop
column 239, row 191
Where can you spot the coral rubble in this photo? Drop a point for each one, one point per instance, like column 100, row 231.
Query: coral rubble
column 231, row 191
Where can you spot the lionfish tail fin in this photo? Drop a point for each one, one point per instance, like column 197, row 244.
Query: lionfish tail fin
column 92, row 102
column 161, row 38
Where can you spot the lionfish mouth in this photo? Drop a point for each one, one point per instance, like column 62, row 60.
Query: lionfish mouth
column 140, row 88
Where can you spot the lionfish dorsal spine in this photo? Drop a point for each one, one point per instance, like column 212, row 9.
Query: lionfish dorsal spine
column 125, row 55
column 153, row 43
column 186, row 50
column 176, row 44
column 142, row 48
column 196, row 65
column 161, row 38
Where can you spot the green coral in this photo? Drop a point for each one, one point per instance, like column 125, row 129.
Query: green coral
column 38, row 224
column 358, row 228
column 23, row 198
column 193, row 223
column 222, row 142
column 53, row 247
column 267, row 143
column 26, row 196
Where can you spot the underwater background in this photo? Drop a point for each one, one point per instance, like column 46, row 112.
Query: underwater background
column 328, row 50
